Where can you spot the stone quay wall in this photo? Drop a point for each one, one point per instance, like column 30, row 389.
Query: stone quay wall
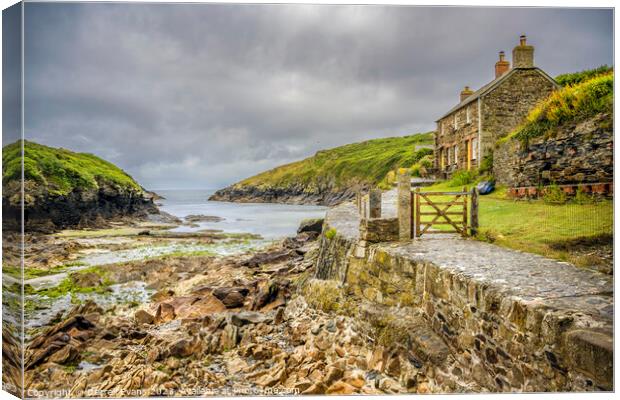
column 512, row 321
column 502, row 342
column 577, row 154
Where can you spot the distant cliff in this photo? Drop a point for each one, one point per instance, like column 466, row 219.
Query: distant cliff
column 66, row 189
column 330, row 176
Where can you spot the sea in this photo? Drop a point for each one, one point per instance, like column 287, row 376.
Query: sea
column 271, row 221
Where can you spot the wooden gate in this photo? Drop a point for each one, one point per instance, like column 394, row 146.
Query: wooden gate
column 446, row 210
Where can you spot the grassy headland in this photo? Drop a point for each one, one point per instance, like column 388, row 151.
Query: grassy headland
column 59, row 171
column 338, row 171
column 63, row 188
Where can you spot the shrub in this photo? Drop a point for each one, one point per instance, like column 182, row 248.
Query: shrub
column 420, row 168
column 427, row 161
column 390, row 177
column 389, row 331
column 463, row 177
column 581, row 197
column 582, row 76
column 486, row 165
column 488, row 235
column 553, row 194
column 331, row 233
column 420, row 154
column 327, row 296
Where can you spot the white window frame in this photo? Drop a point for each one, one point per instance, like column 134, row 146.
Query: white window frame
column 474, row 148
column 456, row 123
column 441, row 124
column 456, row 154
column 468, row 115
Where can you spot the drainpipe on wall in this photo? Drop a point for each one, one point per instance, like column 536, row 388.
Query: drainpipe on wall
column 479, row 131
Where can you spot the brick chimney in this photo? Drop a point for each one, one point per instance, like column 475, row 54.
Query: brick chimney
column 523, row 54
column 465, row 93
column 502, row 66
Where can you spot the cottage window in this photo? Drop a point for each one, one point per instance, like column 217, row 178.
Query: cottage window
column 456, row 123
column 474, row 148
column 456, row 154
column 441, row 125
column 468, row 115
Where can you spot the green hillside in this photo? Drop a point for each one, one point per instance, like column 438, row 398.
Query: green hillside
column 359, row 163
column 574, row 78
column 59, row 171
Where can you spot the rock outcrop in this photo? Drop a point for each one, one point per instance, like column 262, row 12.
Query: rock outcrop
column 59, row 188
column 80, row 208
column 296, row 194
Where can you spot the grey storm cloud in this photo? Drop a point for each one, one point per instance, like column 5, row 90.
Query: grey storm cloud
column 199, row 96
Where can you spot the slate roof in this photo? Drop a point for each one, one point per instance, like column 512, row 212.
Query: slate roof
column 490, row 86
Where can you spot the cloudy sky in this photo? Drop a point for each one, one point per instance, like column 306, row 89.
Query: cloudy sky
column 200, row 96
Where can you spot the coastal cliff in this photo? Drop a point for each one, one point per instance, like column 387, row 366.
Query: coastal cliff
column 66, row 189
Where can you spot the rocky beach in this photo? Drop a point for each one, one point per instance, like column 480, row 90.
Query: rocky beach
column 196, row 321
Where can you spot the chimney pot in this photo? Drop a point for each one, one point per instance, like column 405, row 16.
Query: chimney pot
column 502, row 66
column 522, row 40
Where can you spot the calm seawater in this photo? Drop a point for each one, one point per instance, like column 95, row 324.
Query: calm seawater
column 271, row 221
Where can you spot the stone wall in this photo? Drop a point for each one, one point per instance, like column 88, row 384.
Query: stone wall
column 504, row 343
column 575, row 154
column 506, row 106
column 375, row 230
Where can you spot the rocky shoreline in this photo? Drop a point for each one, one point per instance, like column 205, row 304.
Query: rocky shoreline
column 45, row 212
column 252, row 324
column 289, row 195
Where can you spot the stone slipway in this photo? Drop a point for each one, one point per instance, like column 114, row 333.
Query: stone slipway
column 515, row 321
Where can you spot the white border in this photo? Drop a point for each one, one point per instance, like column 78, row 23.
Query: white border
column 481, row 3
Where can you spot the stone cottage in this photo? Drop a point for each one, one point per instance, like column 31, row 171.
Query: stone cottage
column 468, row 132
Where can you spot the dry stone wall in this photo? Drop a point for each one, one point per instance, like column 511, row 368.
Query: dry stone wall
column 575, row 154
column 504, row 343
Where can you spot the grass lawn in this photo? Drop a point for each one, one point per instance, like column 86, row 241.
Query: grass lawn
column 536, row 226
